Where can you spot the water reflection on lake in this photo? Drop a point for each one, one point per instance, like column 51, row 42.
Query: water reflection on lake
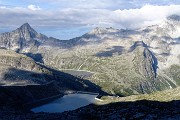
column 66, row 103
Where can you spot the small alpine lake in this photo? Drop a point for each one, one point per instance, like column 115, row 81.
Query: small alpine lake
column 67, row 103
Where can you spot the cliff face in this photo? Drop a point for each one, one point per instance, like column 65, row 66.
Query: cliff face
column 144, row 59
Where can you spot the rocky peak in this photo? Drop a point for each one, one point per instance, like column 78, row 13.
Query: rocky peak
column 97, row 30
column 27, row 31
column 136, row 45
column 140, row 43
column 146, row 62
column 23, row 38
column 101, row 30
column 25, row 26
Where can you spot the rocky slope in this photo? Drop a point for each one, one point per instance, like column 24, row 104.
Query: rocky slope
column 18, row 69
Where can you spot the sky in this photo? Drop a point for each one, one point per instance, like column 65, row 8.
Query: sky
column 65, row 19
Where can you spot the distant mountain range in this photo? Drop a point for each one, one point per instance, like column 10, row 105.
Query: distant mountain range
column 124, row 62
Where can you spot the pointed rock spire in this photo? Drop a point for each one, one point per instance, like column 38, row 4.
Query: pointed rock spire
column 27, row 31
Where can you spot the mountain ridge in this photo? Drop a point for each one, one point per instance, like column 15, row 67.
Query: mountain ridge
column 133, row 61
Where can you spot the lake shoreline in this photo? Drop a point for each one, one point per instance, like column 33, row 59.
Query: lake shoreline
column 65, row 103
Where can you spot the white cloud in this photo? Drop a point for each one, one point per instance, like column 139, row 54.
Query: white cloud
column 34, row 7
column 71, row 18
column 3, row 7
column 147, row 15
column 105, row 4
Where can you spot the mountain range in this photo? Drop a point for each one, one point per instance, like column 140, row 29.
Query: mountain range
column 135, row 72
column 123, row 62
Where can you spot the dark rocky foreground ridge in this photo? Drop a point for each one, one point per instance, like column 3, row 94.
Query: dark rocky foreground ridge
column 163, row 105
column 141, row 110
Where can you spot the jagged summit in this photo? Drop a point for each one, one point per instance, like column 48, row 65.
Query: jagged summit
column 140, row 43
column 101, row 30
column 24, row 38
column 137, row 44
column 25, row 25
column 27, row 31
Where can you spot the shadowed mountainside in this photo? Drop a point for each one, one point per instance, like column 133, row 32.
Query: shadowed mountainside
column 22, row 80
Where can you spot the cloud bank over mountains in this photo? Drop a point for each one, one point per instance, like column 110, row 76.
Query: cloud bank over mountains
column 82, row 14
